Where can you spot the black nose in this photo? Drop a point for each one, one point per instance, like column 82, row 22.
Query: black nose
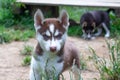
column 52, row 49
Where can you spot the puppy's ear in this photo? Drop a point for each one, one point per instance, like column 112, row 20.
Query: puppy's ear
column 64, row 18
column 84, row 24
column 38, row 19
column 93, row 24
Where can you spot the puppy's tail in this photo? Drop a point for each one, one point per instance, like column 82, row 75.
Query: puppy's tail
column 110, row 10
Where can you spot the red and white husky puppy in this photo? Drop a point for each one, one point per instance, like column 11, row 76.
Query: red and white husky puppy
column 53, row 54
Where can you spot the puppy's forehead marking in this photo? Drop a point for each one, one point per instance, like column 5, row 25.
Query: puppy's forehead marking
column 47, row 33
column 52, row 28
column 56, row 33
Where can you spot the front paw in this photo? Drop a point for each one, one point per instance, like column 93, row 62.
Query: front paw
column 107, row 36
column 93, row 37
column 84, row 36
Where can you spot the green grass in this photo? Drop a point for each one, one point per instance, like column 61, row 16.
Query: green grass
column 10, row 34
column 23, row 35
column 74, row 31
column 109, row 69
column 14, row 27
column 26, row 61
column 27, row 52
column 7, row 13
column 5, row 35
column 115, row 28
column 83, row 63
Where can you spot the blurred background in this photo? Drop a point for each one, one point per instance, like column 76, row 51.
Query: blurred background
column 17, row 17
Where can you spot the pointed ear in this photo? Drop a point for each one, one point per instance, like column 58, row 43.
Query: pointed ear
column 84, row 24
column 64, row 18
column 93, row 24
column 38, row 18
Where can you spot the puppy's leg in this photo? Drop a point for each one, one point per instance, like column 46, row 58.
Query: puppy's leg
column 99, row 31
column 106, row 29
column 34, row 75
column 84, row 35
column 76, row 71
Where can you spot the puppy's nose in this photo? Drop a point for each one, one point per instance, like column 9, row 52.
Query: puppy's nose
column 52, row 49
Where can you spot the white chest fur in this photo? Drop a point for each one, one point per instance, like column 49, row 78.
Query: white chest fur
column 46, row 64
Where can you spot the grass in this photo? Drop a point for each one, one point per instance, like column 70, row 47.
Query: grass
column 14, row 27
column 26, row 61
column 74, row 31
column 109, row 69
column 7, row 16
column 115, row 28
column 83, row 63
column 27, row 52
column 10, row 34
column 5, row 36
column 24, row 35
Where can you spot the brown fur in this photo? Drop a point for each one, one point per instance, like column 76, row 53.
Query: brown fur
column 64, row 58
column 47, row 22
column 68, row 54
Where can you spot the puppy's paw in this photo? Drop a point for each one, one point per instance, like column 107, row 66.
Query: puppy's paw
column 84, row 36
column 107, row 36
column 96, row 35
column 93, row 38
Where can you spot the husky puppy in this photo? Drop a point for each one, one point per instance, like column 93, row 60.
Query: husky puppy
column 53, row 54
column 95, row 20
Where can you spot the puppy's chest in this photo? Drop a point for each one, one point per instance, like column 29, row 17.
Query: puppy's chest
column 50, row 63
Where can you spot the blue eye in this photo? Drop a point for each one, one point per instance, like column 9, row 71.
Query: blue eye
column 58, row 36
column 46, row 37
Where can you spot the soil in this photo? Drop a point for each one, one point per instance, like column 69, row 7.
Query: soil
column 11, row 59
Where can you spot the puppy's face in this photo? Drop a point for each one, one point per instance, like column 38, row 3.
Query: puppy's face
column 88, row 29
column 51, row 33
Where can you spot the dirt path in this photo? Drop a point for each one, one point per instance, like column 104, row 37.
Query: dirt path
column 10, row 58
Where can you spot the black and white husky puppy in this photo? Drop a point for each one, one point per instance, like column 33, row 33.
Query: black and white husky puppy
column 95, row 20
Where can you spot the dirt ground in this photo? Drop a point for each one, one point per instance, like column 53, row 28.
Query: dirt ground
column 10, row 58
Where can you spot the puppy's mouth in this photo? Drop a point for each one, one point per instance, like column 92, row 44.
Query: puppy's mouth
column 89, row 37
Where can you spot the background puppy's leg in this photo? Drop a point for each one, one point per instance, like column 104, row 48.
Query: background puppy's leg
column 99, row 31
column 84, row 35
column 106, row 29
